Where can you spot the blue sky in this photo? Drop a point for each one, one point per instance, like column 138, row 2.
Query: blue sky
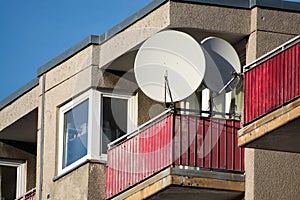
column 35, row 31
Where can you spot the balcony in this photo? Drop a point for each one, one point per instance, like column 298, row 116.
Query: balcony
column 30, row 195
column 272, row 103
column 174, row 151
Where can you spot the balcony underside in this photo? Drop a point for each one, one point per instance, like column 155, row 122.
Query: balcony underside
column 279, row 130
column 186, row 183
column 178, row 192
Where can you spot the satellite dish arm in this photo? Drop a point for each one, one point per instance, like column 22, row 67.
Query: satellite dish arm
column 234, row 76
column 167, row 88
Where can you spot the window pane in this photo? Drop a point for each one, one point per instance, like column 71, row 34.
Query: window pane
column 114, row 120
column 75, row 133
column 8, row 179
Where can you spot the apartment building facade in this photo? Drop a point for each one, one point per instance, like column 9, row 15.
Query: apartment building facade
column 84, row 129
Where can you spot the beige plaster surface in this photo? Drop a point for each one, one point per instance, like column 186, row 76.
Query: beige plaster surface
column 136, row 33
column 19, row 108
column 210, row 18
column 71, row 186
column 54, row 98
column 97, row 182
column 276, row 21
column 72, row 66
column 272, row 175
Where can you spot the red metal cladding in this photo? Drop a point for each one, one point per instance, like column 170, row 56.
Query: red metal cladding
column 200, row 142
column 230, row 142
column 215, row 143
column 238, row 152
column 272, row 84
column 139, row 157
column 184, row 123
column 206, row 142
column 190, row 141
column 222, row 144
column 177, row 141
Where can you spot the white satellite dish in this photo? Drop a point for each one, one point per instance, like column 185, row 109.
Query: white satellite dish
column 222, row 64
column 170, row 56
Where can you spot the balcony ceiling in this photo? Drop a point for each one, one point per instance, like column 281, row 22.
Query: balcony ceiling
column 278, row 130
column 23, row 130
column 177, row 192
column 284, row 138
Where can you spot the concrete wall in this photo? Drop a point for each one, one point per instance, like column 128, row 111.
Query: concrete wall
column 97, row 182
column 270, row 29
column 72, row 186
column 86, row 182
column 10, row 152
column 210, row 18
column 132, row 36
column 272, row 175
column 19, row 108
column 63, row 83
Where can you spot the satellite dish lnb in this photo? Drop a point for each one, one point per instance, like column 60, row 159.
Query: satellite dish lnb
column 173, row 57
column 222, row 65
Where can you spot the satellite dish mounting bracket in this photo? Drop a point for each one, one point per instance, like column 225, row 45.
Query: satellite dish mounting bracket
column 234, row 76
column 167, row 88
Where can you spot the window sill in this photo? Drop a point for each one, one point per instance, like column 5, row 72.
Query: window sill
column 62, row 174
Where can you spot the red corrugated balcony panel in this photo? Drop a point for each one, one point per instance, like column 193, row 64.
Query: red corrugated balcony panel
column 176, row 139
column 272, row 83
column 207, row 143
column 139, row 157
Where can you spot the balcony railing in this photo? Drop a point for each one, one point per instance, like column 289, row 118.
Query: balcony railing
column 272, row 80
column 30, row 195
column 173, row 139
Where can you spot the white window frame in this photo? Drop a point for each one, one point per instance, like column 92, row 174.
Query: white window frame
column 92, row 137
column 132, row 115
column 21, row 174
column 94, row 142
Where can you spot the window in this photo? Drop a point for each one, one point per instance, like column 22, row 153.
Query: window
column 118, row 118
column 75, row 133
column 12, row 178
column 89, row 123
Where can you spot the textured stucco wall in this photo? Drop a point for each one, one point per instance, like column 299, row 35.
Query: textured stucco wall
column 72, row 66
column 10, row 152
column 272, row 175
column 278, row 21
column 72, row 186
column 63, row 83
column 210, row 18
column 19, row 108
column 270, row 29
column 136, row 33
column 97, row 181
